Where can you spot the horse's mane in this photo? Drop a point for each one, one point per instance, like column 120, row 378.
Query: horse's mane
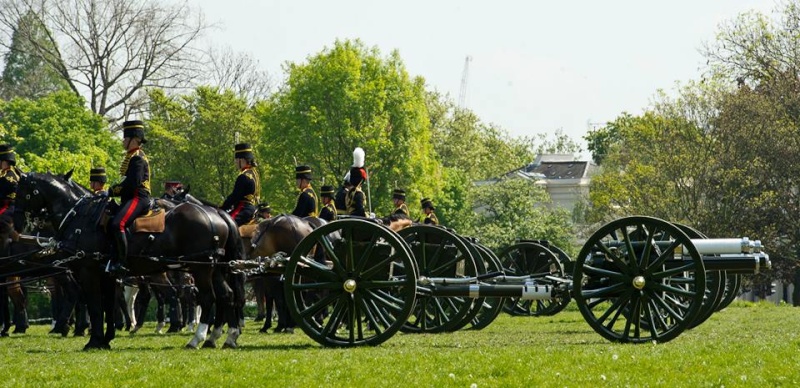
column 62, row 182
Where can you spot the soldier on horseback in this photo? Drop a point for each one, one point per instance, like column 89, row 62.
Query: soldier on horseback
column 97, row 181
column 133, row 190
column 307, row 199
column 430, row 216
column 328, row 212
column 400, row 207
column 172, row 189
column 241, row 203
column 355, row 197
column 9, row 179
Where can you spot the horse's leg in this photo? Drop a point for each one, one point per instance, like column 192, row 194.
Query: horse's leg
column 91, row 289
column 205, row 297
column 121, row 308
column 158, row 293
column 5, row 316
column 130, row 302
column 223, row 304
column 19, row 297
column 141, row 304
column 261, row 301
column 111, row 296
column 175, row 313
column 237, row 282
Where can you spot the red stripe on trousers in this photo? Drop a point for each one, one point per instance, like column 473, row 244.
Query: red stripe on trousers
column 4, row 208
column 236, row 211
column 134, row 202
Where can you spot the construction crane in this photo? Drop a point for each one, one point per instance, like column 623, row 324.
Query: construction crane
column 462, row 94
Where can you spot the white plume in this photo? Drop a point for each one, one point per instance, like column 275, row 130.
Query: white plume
column 347, row 177
column 358, row 157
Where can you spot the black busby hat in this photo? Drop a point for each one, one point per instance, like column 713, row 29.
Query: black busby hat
column 243, row 151
column 327, row 191
column 264, row 207
column 133, row 128
column 98, row 174
column 7, row 153
column 302, row 172
column 399, row 194
column 427, row 203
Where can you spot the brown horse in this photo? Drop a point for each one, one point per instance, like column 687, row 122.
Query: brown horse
column 196, row 238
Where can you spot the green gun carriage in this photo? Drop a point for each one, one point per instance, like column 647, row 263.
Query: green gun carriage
column 636, row 279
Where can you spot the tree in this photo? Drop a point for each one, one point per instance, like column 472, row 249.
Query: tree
column 346, row 96
column 240, row 73
column 516, row 208
column 57, row 133
column 111, row 50
column 25, row 74
column 191, row 139
column 559, row 143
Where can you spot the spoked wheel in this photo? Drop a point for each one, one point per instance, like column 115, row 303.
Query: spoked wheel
column 362, row 294
column 481, row 269
column 490, row 307
column 639, row 279
column 715, row 283
column 439, row 254
column 733, row 284
column 528, row 258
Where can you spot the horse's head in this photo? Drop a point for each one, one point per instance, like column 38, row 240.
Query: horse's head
column 43, row 198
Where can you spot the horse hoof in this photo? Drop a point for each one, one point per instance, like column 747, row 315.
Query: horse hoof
column 79, row 334
column 93, row 346
column 190, row 346
column 229, row 346
column 18, row 331
column 4, row 334
column 209, row 345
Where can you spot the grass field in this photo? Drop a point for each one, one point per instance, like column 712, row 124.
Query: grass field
column 744, row 345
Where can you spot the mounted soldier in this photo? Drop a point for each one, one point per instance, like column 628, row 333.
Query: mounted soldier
column 430, row 216
column 133, row 190
column 307, row 199
column 340, row 200
column 9, row 179
column 264, row 212
column 328, row 212
column 355, row 197
column 400, row 207
column 97, row 180
column 172, row 189
column 241, row 203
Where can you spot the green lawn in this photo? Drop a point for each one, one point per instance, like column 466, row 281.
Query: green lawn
column 745, row 345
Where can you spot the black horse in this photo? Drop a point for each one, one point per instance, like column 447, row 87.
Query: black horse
column 198, row 239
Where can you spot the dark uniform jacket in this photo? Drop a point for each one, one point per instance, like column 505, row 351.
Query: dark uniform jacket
column 430, row 219
column 8, row 189
column 306, row 203
column 340, row 200
column 241, row 203
column 135, row 173
column 328, row 212
column 245, row 192
column 355, row 202
column 402, row 210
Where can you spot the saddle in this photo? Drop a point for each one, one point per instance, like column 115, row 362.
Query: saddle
column 151, row 222
column 248, row 230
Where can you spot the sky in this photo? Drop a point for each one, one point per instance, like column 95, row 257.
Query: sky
column 537, row 66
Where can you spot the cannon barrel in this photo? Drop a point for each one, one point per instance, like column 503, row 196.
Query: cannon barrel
column 710, row 246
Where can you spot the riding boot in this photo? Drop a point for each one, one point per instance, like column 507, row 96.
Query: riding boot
column 119, row 256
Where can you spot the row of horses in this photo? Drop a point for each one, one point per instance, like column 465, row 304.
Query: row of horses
column 199, row 239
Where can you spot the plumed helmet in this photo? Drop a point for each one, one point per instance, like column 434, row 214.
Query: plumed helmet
column 358, row 157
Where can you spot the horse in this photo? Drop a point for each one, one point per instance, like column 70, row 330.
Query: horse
column 196, row 238
column 281, row 234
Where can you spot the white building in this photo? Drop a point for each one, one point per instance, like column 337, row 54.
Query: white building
column 565, row 179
